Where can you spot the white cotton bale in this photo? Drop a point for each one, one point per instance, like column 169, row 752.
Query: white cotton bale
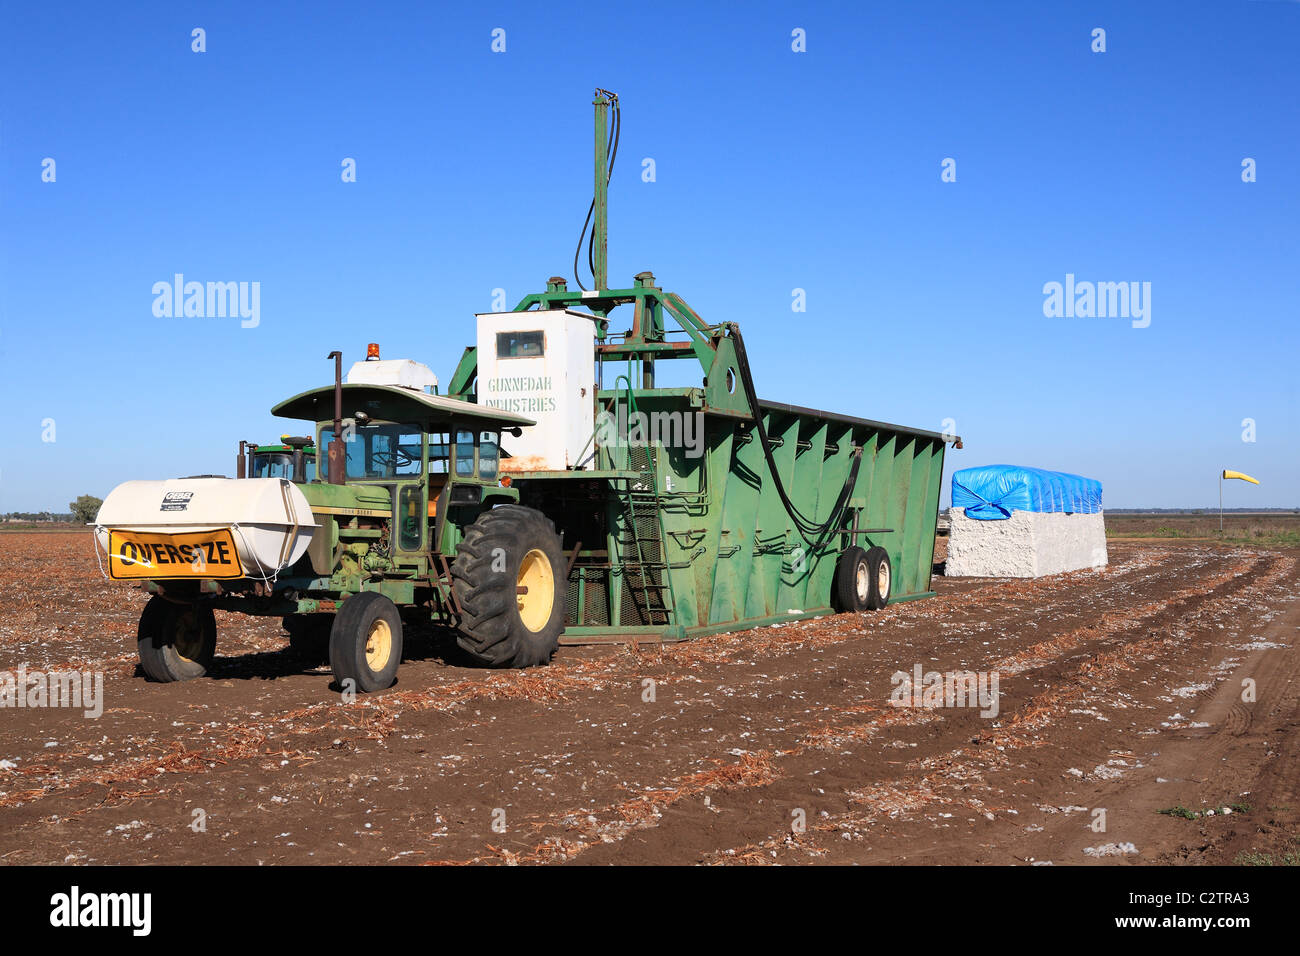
column 1029, row 544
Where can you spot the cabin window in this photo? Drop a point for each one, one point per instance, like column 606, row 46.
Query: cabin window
column 439, row 452
column 489, row 452
column 410, row 517
column 272, row 465
column 279, row 464
column 379, row 450
column 520, row 344
column 465, row 453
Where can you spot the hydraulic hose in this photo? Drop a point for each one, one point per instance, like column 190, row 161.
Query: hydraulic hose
column 813, row 532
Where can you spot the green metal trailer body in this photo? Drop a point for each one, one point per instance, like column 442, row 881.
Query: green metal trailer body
column 666, row 544
column 696, row 545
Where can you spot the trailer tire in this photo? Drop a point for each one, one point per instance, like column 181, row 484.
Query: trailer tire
column 852, row 581
column 507, row 548
column 880, row 577
column 366, row 642
column 176, row 641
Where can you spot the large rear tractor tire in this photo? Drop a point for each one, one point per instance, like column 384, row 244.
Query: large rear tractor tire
column 366, row 642
column 508, row 578
column 176, row 641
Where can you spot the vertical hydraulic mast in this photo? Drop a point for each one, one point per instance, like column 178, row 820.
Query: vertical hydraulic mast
column 600, row 224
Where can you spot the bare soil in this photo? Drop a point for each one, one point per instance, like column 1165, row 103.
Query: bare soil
column 1121, row 691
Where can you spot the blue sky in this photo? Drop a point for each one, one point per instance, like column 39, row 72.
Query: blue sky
column 775, row 170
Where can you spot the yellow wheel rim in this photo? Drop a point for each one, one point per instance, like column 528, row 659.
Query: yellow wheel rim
column 537, row 590
column 188, row 640
column 379, row 645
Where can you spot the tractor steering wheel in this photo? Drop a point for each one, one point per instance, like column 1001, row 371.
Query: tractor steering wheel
column 392, row 459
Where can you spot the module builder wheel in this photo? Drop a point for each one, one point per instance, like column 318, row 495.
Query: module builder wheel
column 880, row 578
column 852, row 580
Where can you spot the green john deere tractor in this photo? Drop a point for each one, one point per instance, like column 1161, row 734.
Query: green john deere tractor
column 414, row 516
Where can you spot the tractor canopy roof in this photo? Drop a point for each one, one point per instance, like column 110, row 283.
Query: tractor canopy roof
column 392, row 403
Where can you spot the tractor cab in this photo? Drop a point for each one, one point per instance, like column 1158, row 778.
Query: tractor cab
column 409, row 455
column 294, row 458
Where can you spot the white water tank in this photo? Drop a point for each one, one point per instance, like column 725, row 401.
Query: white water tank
column 269, row 519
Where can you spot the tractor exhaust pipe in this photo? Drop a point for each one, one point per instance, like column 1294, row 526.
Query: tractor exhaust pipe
column 335, row 453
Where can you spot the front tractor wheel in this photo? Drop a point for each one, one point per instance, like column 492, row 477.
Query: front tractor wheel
column 366, row 642
column 176, row 641
column 508, row 578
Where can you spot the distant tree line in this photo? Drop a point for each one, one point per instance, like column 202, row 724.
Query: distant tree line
column 84, row 510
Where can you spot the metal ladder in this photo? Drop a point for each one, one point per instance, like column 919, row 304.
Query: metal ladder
column 647, row 580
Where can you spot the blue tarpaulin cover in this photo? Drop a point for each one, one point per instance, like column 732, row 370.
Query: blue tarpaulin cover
column 992, row 492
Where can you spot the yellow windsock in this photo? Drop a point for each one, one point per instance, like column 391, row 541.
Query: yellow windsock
column 1238, row 474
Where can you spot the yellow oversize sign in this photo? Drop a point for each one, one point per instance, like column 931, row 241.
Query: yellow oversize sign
column 195, row 554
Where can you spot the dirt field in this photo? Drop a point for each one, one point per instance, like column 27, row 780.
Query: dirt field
column 1120, row 690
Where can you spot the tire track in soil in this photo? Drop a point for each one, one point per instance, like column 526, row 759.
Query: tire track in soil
column 1249, row 754
column 950, row 778
column 238, row 733
column 172, row 757
column 397, row 758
